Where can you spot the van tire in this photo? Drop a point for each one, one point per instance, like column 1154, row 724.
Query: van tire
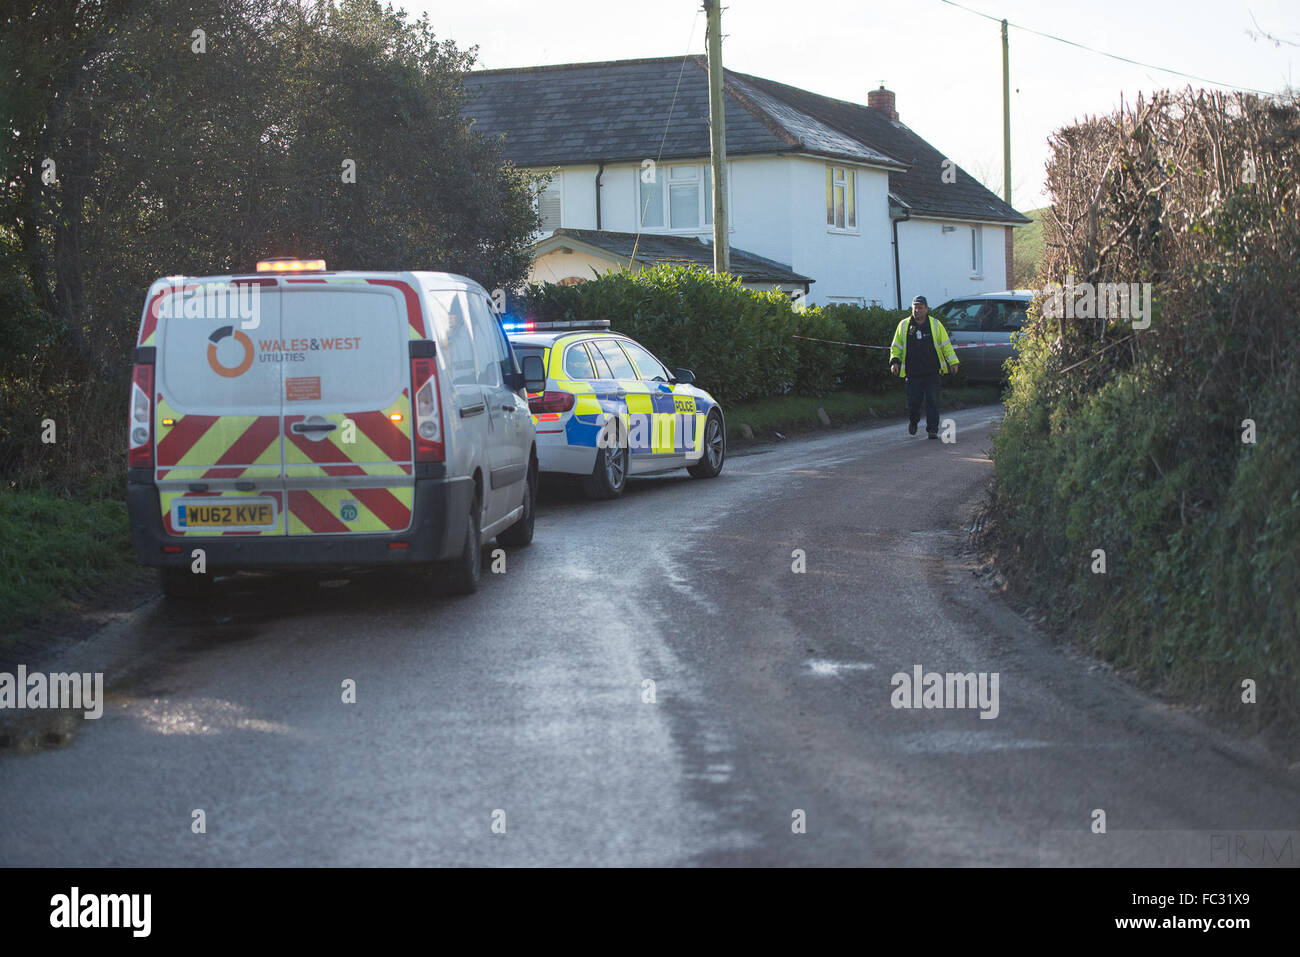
column 521, row 532
column 463, row 573
column 609, row 477
column 185, row 585
column 715, row 448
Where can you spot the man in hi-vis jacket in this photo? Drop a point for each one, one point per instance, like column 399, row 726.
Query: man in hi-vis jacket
column 920, row 353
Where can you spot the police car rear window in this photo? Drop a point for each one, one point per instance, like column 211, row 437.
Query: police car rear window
column 618, row 364
column 577, row 364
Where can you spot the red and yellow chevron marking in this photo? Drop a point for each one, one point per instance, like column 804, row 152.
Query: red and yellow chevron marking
column 321, row 511
column 414, row 314
column 149, row 325
column 166, row 498
column 217, row 446
column 379, row 445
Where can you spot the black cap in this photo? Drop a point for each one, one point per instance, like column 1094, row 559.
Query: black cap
column 920, row 299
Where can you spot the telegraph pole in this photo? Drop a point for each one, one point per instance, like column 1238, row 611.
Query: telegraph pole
column 1006, row 117
column 718, row 138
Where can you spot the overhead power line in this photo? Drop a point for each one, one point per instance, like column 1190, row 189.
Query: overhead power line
column 1113, row 56
column 641, row 219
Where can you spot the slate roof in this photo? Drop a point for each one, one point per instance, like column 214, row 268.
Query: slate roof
column 921, row 187
column 656, row 248
column 616, row 111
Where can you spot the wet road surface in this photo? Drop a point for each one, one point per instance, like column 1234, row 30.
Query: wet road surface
column 527, row 705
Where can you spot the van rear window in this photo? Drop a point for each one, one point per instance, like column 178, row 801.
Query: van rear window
column 312, row 350
column 209, row 364
column 342, row 349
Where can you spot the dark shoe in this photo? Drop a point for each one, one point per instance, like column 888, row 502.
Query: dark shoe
column 911, row 428
column 932, row 435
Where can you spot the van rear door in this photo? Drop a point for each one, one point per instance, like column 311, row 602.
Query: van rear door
column 218, row 462
column 345, row 394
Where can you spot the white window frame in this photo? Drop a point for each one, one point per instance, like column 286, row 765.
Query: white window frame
column 977, row 251
column 665, row 181
column 849, row 184
column 557, row 185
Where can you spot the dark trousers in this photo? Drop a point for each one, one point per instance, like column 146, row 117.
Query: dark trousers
column 924, row 387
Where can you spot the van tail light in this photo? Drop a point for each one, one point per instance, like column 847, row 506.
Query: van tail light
column 140, row 424
column 428, row 410
column 551, row 402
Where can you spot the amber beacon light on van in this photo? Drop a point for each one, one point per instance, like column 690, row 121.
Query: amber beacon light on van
column 289, row 264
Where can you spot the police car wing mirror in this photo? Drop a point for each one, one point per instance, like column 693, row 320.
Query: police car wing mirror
column 683, row 376
column 534, row 374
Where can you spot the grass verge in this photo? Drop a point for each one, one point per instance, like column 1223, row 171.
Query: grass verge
column 797, row 413
column 58, row 552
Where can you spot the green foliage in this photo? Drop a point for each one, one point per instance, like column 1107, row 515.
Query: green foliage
column 1027, row 248
column 740, row 343
column 55, row 548
column 867, row 370
column 1134, row 445
column 171, row 161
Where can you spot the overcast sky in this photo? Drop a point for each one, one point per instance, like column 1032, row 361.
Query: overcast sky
column 944, row 64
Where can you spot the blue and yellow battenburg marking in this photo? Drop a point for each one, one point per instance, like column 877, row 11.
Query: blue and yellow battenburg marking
column 655, row 420
column 655, row 423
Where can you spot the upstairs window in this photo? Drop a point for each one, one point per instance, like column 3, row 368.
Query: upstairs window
column 681, row 197
column 841, row 208
column 549, row 205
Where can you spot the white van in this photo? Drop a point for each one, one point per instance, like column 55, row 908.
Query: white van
column 305, row 417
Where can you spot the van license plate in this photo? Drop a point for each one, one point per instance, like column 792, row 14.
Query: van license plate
column 197, row 514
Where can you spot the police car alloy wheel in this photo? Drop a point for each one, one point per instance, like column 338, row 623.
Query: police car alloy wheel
column 609, row 477
column 715, row 449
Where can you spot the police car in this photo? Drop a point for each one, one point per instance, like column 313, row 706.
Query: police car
column 299, row 416
column 605, row 408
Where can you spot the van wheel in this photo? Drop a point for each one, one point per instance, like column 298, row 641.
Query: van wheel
column 521, row 532
column 715, row 448
column 463, row 573
column 609, row 477
column 183, row 584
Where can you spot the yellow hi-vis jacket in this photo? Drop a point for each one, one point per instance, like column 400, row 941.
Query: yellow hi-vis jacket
column 942, row 345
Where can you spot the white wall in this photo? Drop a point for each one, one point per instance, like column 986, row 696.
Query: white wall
column 778, row 210
column 937, row 265
column 845, row 263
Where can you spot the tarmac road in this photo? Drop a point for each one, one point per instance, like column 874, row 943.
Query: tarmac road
column 772, row 695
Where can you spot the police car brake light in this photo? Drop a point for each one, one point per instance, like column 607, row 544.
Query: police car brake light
column 290, row 264
column 549, row 402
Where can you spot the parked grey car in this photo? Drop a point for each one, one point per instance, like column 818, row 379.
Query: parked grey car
column 988, row 319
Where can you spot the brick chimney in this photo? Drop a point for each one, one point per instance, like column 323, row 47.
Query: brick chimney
column 883, row 100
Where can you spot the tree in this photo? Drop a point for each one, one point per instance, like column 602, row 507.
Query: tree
column 175, row 156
